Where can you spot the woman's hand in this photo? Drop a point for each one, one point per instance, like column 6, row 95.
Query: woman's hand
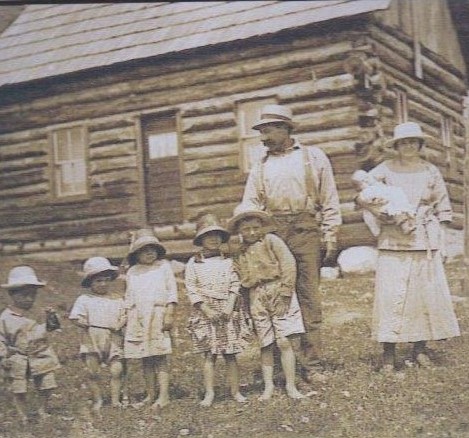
column 227, row 311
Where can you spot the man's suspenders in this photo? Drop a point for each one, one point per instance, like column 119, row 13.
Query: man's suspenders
column 310, row 184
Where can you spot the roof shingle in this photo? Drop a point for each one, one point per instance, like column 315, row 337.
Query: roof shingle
column 49, row 40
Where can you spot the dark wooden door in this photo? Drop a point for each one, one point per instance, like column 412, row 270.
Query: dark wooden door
column 162, row 169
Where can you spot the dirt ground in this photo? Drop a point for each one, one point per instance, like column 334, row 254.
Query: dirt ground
column 356, row 400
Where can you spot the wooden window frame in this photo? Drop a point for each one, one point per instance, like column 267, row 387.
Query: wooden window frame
column 243, row 131
column 401, row 108
column 447, row 140
column 65, row 198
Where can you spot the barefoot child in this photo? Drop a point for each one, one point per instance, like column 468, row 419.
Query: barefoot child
column 151, row 297
column 268, row 269
column 24, row 351
column 101, row 314
column 215, row 326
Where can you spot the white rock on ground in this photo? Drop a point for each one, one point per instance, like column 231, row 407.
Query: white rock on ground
column 358, row 260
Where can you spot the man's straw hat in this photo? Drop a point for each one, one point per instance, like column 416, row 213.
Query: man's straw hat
column 274, row 114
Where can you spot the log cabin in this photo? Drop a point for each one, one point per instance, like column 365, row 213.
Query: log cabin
column 118, row 116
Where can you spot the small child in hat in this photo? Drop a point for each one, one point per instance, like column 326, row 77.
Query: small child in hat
column 267, row 269
column 101, row 313
column 381, row 199
column 24, row 350
column 151, row 298
column 217, row 323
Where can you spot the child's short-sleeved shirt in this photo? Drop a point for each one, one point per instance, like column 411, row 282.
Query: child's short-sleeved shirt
column 24, row 341
column 100, row 311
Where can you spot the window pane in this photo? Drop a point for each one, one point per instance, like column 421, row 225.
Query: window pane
column 249, row 112
column 76, row 144
column 252, row 151
column 162, row 145
column 70, row 161
column 71, row 178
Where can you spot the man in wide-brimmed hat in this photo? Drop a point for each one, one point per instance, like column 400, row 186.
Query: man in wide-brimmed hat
column 295, row 184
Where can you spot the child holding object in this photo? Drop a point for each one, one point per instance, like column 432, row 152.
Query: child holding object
column 387, row 201
column 24, row 350
column 101, row 314
column 267, row 269
column 151, row 297
column 216, row 324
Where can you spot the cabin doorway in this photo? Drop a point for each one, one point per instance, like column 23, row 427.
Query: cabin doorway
column 162, row 169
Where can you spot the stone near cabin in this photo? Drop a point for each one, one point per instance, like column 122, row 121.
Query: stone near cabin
column 358, row 260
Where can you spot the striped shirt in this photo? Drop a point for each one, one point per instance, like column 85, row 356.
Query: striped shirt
column 212, row 277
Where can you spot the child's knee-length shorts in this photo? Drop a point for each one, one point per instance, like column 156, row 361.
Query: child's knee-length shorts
column 268, row 326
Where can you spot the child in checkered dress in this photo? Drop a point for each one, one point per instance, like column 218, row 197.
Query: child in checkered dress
column 217, row 322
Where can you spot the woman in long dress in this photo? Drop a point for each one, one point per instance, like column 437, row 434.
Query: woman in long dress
column 412, row 298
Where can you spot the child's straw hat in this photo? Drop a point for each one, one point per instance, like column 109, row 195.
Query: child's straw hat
column 244, row 211
column 97, row 265
column 209, row 222
column 141, row 238
column 22, row 276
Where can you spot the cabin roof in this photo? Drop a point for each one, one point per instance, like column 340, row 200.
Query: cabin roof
column 49, row 40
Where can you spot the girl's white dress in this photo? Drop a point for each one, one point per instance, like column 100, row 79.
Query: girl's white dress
column 149, row 290
column 412, row 297
column 104, row 315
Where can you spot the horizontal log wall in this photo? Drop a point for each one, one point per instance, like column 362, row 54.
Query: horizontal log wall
column 438, row 94
column 306, row 74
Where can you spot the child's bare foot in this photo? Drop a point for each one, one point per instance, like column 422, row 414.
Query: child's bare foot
column 240, row 398
column 24, row 420
column 208, row 399
column 267, row 394
column 97, row 405
column 117, row 405
column 294, row 393
column 160, row 403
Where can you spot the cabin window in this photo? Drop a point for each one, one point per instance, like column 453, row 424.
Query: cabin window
column 162, row 168
column 447, row 138
column 401, row 109
column 69, row 162
column 251, row 148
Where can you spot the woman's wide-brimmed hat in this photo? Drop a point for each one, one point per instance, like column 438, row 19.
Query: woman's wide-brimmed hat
column 275, row 114
column 209, row 222
column 21, row 276
column 97, row 265
column 141, row 238
column 244, row 211
column 408, row 130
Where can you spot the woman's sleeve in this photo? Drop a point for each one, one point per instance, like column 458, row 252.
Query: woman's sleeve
column 443, row 209
column 190, row 279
